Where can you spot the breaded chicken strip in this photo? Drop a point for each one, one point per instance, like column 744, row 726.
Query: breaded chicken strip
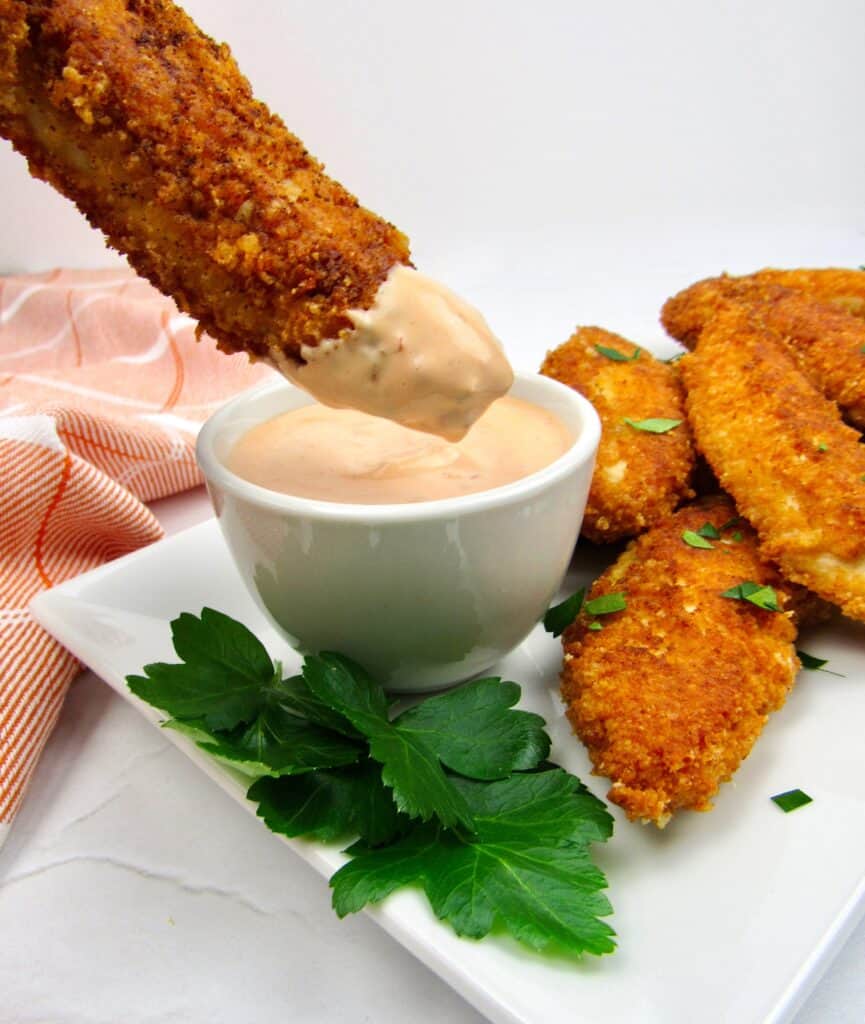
column 640, row 477
column 147, row 124
column 685, row 314
column 670, row 695
column 827, row 344
column 781, row 450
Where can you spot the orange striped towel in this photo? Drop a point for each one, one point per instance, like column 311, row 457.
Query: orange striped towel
column 102, row 389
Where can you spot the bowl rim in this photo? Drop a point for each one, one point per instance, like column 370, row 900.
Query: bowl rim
column 580, row 453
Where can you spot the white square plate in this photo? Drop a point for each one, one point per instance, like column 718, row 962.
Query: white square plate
column 726, row 917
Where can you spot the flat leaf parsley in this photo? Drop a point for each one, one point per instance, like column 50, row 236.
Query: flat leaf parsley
column 453, row 795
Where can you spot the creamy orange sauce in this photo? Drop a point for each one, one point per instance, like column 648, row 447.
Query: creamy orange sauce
column 419, row 355
column 343, row 455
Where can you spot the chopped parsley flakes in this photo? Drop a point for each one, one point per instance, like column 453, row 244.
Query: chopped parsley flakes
column 761, row 595
column 791, row 800
column 615, row 355
column 653, row 426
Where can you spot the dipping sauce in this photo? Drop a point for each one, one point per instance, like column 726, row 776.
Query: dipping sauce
column 419, row 355
column 343, row 455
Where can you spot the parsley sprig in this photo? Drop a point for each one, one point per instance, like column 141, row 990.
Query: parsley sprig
column 453, row 795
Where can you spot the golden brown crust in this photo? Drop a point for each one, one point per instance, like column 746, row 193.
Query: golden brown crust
column 840, row 287
column 686, row 313
column 827, row 343
column 795, row 470
column 639, row 477
column 148, row 125
column 671, row 694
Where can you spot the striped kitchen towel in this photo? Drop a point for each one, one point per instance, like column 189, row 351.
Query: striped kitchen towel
column 102, row 389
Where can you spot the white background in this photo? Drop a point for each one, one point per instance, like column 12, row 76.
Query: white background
column 557, row 163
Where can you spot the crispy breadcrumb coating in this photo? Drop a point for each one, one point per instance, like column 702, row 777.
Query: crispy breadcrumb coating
column 670, row 695
column 685, row 314
column 794, row 469
column 827, row 343
column 128, row 109
column 639, row 477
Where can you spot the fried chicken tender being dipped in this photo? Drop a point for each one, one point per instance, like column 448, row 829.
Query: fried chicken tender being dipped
column 147, row 124
column 671, row 694
column 640, row 477
column 827, row 344
column 795, row 470
column 686, row 313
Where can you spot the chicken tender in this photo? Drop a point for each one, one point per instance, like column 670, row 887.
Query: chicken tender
column 685, row 314
column 640, row 477
column 781, row 450
column 127, row 108
column 827, row 344
column 671, row 694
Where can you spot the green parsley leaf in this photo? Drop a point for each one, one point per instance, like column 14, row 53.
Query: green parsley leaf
column 809, row 661
column 409, row 767
column 653, row 426
column 731, row 523
column 224, row 678
column 606, row 604
column 737, row 537
column 675, row 357
column 615, row 355
column 472, row 730
column 295, row 696
column 560, row 616
column 275, row 742
column 791, row 800
column 527, row 871
column 758, row 594
column 696, row 540
column 505, row 849
column 330, row 804
column 822, row 447
column 596, row 626
column 709, row 531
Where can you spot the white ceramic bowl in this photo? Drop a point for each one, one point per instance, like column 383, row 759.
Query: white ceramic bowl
column 425, row 594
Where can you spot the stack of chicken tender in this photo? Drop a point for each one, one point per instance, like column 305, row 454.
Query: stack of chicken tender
column 670, row 694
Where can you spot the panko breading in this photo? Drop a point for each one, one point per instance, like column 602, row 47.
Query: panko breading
column 827, row 343
column 685, row 314
column 671, row 694
column 127, row 108
column 794, row 469
column 639, row 477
